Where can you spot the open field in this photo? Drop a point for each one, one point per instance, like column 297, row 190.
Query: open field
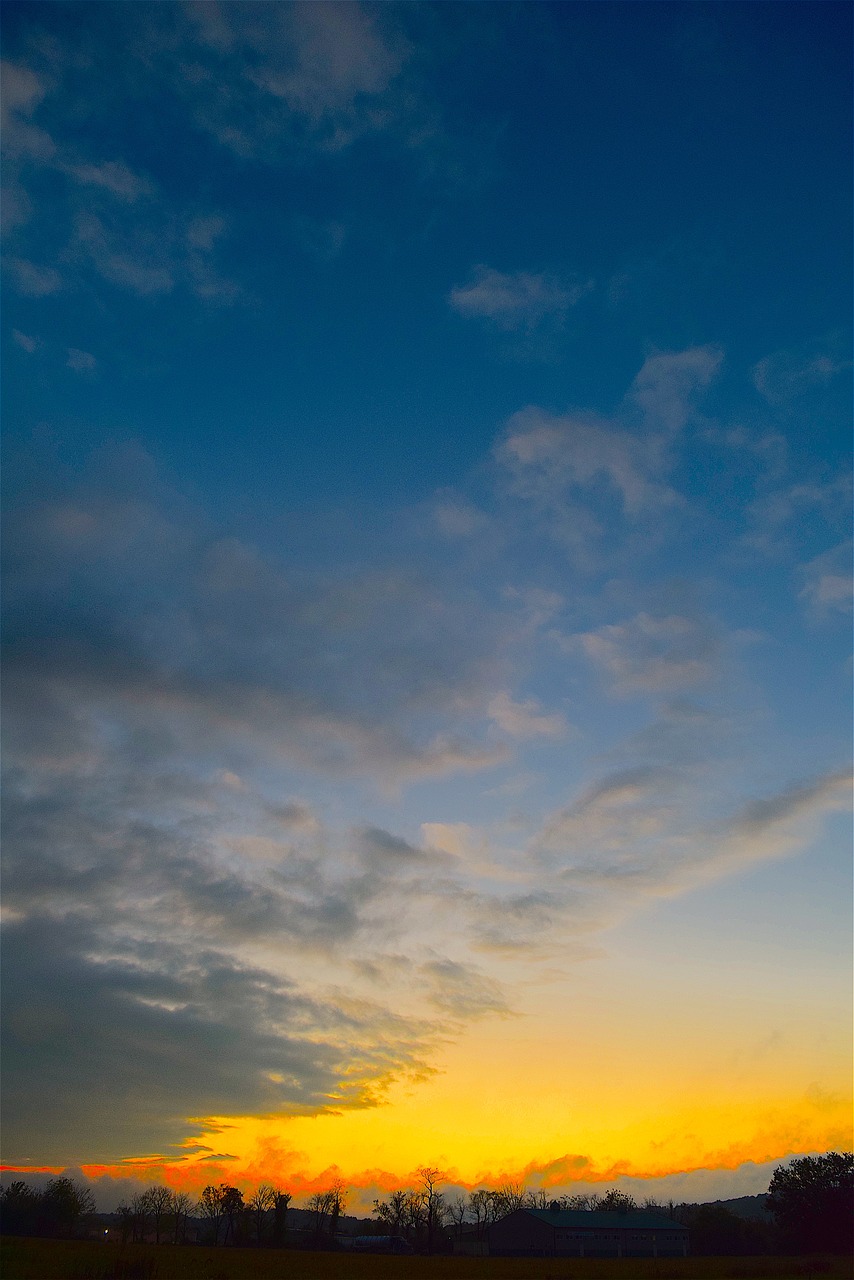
column 91, row 1260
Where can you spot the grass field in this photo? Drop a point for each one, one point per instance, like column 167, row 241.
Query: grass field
column 90, row 1260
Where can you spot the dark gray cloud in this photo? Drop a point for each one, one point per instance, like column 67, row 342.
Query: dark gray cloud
column 168, row 909
column 120, row 606
column 110, row 1050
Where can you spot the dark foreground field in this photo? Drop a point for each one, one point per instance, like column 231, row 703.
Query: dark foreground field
column 86, row 1260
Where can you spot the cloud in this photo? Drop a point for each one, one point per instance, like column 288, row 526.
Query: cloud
column 518, row 301
column 142, row 264
column 646, row 832
column 828, row 582
column 181, row 1033
column 113, row 176
column 778, row 825
column 80, row 361
column 464, row 991
column 333, row 669
column 148, row 736
column 525, row 719
column 116, row 229
column 32, row 280
column 649, row 654
column 315, row 75
column 338, row 55
column 22, row 91
column 25, row 341
column 795, row 513
column 456, row 517
column 548, row 455
column 787, row 375
column 668, row 382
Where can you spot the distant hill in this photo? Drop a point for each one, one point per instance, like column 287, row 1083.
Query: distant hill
column 750, row 1207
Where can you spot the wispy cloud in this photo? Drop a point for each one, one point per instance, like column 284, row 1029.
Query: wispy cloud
column 106, row 211
column 670, row 380
column 525, row 719
column 300, row 74
column 22, row 91
column 33, row 280
column 25, row 341
column 548, row 455
column 828, row 581
column 649, row 654
column 515, row 301
column 113, row 176
column 81, row 361
column 786, row 375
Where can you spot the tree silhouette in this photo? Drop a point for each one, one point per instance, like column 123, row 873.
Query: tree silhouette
column 63, row 1204
column 434, row 1201
column 232, row 1208
column 280, row 1216
column 158, row 1202
column 812, row 1202
column 211, row 1207
column 615, row 1202
column 20, row 1209
column 260, row 1203
column 327, row 1207
column 180, row 1206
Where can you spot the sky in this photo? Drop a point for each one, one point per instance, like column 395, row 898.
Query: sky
column 427, row 576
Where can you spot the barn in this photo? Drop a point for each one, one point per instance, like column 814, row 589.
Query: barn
column 583, row 1233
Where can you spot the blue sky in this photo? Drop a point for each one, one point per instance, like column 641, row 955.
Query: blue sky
column 427, row 438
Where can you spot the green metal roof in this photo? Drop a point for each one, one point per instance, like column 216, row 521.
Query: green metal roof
column 594, row 1219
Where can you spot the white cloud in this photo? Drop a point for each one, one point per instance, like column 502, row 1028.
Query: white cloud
column 828, row 581
column 456, row 517
column 646, row 832
column 548, row 454
column 21, row 91
column 153, row 257
column 514, row 301
column 787, row 374
column 321, row 74
column 81, row 361
column 24, row 340
column 140, row 263
column 668, row 381
column 113, row 176
column 33, row 280
column 786, row 515
column 649, row 654
column 525, row 719
column 338, row 54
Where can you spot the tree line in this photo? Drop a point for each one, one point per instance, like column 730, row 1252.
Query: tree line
column 809, row 1208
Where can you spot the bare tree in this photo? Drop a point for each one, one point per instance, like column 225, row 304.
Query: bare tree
column 392, row 1213
column 480, row 1210
column 616, row 1202
column 416, row 1216
column 158, row 1202
column 457, row 1212
column 434, row 1201
column 327, row 1207
column 232, row 1207
column 126, row 1218
column 211, row 1207
column 181, row 1205
column 511, row 1196
column 260, row 1203
column 578, row 1201
column 139, row 1209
